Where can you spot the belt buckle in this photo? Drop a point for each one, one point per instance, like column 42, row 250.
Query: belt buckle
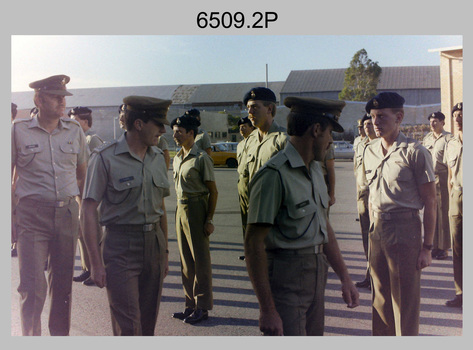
column 60, row 204
column 148, row 227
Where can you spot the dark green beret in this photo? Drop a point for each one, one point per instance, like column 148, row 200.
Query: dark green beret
column 55, row 85
column 245, row 120
column 186, row 121
column 194, row 112
column 330, row 109
column 80, row 111
column 259, row 93
column 439, row 115
column 154, row 108
column 385, row 100
column 458, row 107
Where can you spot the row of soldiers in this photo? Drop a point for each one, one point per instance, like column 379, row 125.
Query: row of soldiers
column 288, row 239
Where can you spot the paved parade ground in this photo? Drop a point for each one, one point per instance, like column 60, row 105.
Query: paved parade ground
column 235, row 310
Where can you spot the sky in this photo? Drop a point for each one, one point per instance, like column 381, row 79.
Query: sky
column 142, row 60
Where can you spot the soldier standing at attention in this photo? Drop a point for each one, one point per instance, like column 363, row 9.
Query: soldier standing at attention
column 128, row 178
column 197, row 195
column 401, row 180
column 454, row 160
column 363, row 193
column 289, row 237
column 264, row 142
column 49, row 154
column 202, row 140
column 83, row 116
column 435, row 142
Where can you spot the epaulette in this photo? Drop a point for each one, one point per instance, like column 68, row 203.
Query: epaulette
column 277, row 161
column 70, row 120
column 104, row 146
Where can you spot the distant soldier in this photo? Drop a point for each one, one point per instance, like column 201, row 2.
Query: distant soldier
column 128, row 179
column 361, row 133
column 401, row 182
column 49, row 153
column 454, row 160
column 202, row 140
column 435, row 142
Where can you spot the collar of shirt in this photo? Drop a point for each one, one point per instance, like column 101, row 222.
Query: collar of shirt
column 122, row 147
column 400, row 142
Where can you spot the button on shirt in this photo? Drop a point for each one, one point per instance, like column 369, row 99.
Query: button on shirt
column 393, row 179
column 46, row 162
column 191, row 172
column 131, row 190
column 292, row 199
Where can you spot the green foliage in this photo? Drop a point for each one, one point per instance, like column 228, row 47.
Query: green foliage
column 361, row 78
column 233, row 123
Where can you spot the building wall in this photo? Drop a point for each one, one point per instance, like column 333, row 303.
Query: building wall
column 451, row 82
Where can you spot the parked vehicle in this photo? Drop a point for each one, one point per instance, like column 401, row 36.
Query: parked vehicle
column 343, row 150
column 223, row 154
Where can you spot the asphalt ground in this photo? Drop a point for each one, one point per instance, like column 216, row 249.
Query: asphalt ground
column 236, row 310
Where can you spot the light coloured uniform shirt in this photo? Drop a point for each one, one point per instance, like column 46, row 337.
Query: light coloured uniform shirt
column 163, row 143
column 130, row 190
column 191, row 173
column 93, row 140
column 256, row 153
column 436, row 147
column 454, row 160
column 393, row 179
column 292, row 199
column 358, row 163
column 46, row 163
column 202, row 140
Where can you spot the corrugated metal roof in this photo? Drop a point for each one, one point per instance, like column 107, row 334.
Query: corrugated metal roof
column 392, row 78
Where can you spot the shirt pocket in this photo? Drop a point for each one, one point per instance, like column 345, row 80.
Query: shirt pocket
column 300, row 213
column 69, row 152
column 27, row 153
column 122, row 187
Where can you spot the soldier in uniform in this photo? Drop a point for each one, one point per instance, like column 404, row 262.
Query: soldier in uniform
column 202, row 140
column 49, row 154
column 246, row 128
column 363, row 193
column 289, row 237
column 435, row 142
column 361, row 133
column 264, row 142
column 128, row 178
column 401, row 180
column 454, row 160
column 197, row 195
column 83, row 116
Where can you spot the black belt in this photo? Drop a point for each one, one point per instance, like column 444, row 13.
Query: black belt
column 191, row 199
column 396, row 215
column 303, row 251
column 135, row 228
column 54, row 204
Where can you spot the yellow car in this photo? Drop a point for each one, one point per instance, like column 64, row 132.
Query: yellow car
column 224, row 155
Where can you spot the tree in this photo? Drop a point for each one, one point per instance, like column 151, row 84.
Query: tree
column 361, row 78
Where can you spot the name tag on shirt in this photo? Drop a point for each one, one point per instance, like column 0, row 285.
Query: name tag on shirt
column 125, row 179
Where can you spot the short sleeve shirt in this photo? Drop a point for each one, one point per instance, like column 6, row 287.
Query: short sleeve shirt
column 256, row 153
column 191, row 172
column 454, row 160
column 163, row 143
column 130, row 190
column 358, row 161
column 436, row 147
column 46, row 163
column 202, row 140
column 93, row 140
column 394, row 178
column 293, row 199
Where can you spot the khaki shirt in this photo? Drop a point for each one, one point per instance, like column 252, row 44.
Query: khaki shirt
column 130, row 190
column 358, row 164
column 454, row 160
column 202, row 140
column 329, row 155
column 292, row 199
column 191, row 173
column 255, row 153
column 163, row 143
column 93, row 140
column 436, row 147
column 394, row 179
column 46, row 163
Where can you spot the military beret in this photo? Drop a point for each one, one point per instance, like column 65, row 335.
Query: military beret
column 458, row 107
column 365, row 118
column 13, row 106
column 259, row 93
column 185, row 121
column 244, row 120
column 55, row 85
column 154, row 108
column 330, row 109
column 194, row 112
column 439, row 115
column 80, row 111
column 385, row 100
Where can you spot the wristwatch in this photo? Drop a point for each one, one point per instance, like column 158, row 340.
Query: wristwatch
column 428, row 246
column 210, row 222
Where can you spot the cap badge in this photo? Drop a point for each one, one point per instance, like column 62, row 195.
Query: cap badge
column 459, row 105
column 253, row 95
column 375, row 102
